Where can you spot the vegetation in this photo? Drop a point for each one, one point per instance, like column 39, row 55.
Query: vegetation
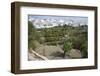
column 32, row 35
column 67, row 46
column 77, row 37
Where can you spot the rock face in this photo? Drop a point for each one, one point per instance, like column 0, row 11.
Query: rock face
column 74, row 53
column 50, row 51
column 54, row 52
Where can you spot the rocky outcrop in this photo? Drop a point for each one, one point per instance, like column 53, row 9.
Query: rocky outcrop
column 75, row 53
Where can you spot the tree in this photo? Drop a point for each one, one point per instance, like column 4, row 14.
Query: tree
column 31, row 35
column 67, row 46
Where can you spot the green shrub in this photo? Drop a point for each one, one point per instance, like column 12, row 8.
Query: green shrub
column 84, row 50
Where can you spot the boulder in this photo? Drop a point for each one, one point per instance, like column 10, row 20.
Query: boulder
column 75, row 53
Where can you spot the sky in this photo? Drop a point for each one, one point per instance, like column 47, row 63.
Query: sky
column 75, row 19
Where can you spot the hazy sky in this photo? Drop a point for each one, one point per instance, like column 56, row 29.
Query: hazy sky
column 75, row 19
